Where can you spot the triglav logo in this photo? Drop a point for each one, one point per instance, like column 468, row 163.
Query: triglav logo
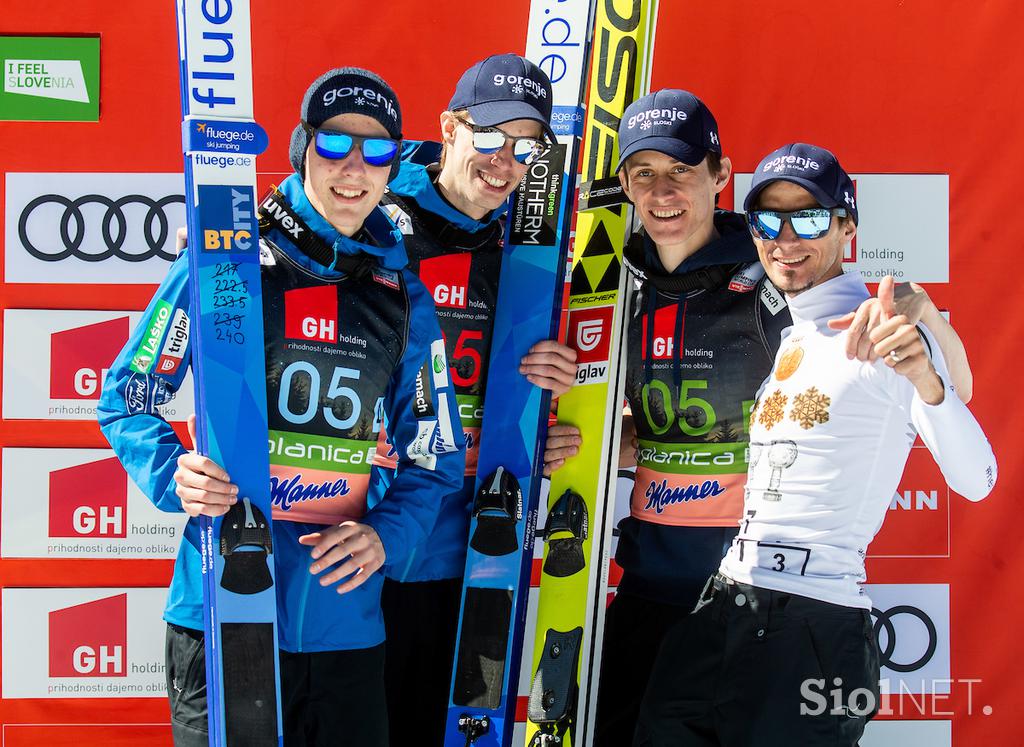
column 652, row 117
column 590, row 332
column 311, row 314
column 89, row 500
column 447, row 279
column 91, row 639
column 519, row 84
column 363, row 97
column 48, row 79
column 79, row 358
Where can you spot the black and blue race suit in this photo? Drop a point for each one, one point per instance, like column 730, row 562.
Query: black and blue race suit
column 342, row 354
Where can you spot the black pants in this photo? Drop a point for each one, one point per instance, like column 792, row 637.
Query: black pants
column 633, row 631
column 185, row 659
column 757, row 668
column 421, row 619
column 334, row 697
column 326, row 698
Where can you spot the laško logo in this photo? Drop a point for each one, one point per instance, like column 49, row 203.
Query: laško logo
column 79, row 358
column 590, row 333
column 91, row 639
column 312, row 314
column 664, row 342
column 89, row 500
column 447, row 279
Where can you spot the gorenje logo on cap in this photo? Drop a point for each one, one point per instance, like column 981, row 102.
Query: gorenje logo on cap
column 782, row 163
column 363, row 96
column 651, row 117
column 520, row 83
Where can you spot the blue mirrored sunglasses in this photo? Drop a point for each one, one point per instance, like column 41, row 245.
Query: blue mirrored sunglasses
column 812, row 223
column 376, row 151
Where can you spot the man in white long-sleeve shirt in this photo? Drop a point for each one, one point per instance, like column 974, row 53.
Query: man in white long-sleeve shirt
column 829, row 438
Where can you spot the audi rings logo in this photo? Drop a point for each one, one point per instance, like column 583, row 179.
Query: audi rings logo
column 132, row 217
column 887, row 650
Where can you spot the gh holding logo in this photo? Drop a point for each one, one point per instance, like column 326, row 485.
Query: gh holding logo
column 662, row 343
column 447, row 279
column 91, row 639
column 311, row 314
column 79, row 358
column 89, row 500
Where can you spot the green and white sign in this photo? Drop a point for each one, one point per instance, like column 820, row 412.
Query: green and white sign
column 50, row 78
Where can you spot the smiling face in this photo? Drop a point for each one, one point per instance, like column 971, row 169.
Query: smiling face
column 794, row 264
column 476, row 183
column 675, row 201
column 345, row 191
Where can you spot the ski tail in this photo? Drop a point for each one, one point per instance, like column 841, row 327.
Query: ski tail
column 221, row 141
column 572, row 596
column 484, row 692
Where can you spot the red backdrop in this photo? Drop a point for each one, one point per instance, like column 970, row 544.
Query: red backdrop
column 892, row 86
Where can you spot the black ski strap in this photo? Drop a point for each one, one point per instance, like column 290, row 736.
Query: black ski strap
column 275, row 212
column 703, row 278
column 552, row 701
column 245, row 543
column 567, row 516
column 496, row 509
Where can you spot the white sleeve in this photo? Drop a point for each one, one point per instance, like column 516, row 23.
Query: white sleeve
column 951, row 433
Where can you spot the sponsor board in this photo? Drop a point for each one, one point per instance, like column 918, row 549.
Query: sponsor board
column 887, row 243
column 917, row 522
column 50, row 78
column 83, row 643
column 79, row 503
column 55, row 362
column 90, row 227
column 912, row 627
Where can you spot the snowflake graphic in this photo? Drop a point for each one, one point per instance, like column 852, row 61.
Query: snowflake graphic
column 645, row 125
column 772, row 409
column 517, row 89
column 360, row 101
column 810, row 408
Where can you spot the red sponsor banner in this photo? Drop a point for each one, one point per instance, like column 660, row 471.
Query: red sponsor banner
column 89, row 500
column 311, row 314
column 79, row 357
column 447, row 279
column 91, row 639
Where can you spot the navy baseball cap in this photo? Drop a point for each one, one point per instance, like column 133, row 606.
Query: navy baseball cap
column 815, row 169
column 504, row 87
column 672, row 122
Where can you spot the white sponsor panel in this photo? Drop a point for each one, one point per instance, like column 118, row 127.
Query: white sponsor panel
column 903, row 230
column 91, row 227
column 79, row 503
column 55, row 362
column 83, row 643
column 912, row 627
column 904, row 733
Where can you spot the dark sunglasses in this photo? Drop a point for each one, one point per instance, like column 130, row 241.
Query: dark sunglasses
column 377, row 151
column 812, row 223
column 488, row 140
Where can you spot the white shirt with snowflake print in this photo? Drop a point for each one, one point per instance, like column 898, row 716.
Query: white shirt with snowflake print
column 829, row 438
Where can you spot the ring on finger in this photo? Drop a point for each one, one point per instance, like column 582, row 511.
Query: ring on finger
column 895, row 356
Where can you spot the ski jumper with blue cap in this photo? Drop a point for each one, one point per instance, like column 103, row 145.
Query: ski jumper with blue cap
column 330, row 383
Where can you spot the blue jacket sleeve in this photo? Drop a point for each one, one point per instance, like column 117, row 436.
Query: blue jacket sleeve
column 423, row 424
column 145, row 375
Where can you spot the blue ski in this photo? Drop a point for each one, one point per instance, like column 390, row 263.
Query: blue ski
column 492, row 621
column 221, row 142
